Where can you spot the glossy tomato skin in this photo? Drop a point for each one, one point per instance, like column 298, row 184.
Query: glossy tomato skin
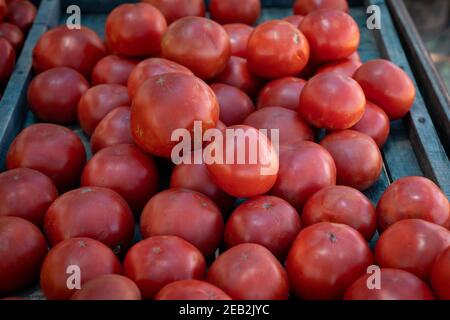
column 341, row 204
column 113, row 69
column 235, row 11
column 21, row 13
column 27, row 194
column 284, row 92
column 157, row 261
column 305, row 7
column 295, row 20
column 240, row 271
column 440, row 275
column 79, row 49
column 325, row 259
column 53, row 150
column 239, row 34
column 13, row 34
column 277, row 49
column 176, row 9
column 199, row 44
column 22, row 248
column 424, row 240
column 346, row 66
column 332, row 34
column 357, row 157
column 53, row 95
column 91, row 256
column 191, row 290
column 7, row 60
column 388, row 86
column 332, row 101
column 108, row 287
column 395, row 284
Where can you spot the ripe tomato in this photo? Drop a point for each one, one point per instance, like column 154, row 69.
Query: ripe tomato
column 53, row 150
column 249, row 271
column 199, row 44
column 53, row 95
column 305, row 7
column 157, row 261
column 284, row 92
column 108, row 287
column 345, row 66
column 235, row 11
column 176, row 9
column 277, row 49
column 191, row 290
column 412, row 245
column 295, row 20
column 440, row 275
column 7, row 60
column 22, row 248
column 357, row 157
column 21, row 13
column 27, row 194
column 325, row 259
column 395, row 284
column 340, row 204
column 92, row 258
column 113, row 69
column 239, row 34
column 388, row 86
column 13, row 34
column 79, row 49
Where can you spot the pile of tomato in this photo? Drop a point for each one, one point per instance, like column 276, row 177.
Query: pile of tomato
column 216, row 230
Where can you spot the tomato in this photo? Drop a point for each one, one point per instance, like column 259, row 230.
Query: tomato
column 305, row 7
column 292, row 128
column 277, row 49
column 413, row 198
column 309, row 161
column 388, row 86
column 169, row 102
column 345, row 66
column 440, row 275
column 357, row 157
column 21, row 13
column 176, row 9
column 191, row 290
column 53, row 95
column 92, row 257
column 79, row 49
column 266, row 220
column 199, row 44
column 340, row 204
column 295, row 20
column 332, row 34
column 249, row 271
column 22, row 248
column 239, row 34
column 7, row 60
column 26, row 193
column 98, row 101
column 375, row 123
column 113, row 69
column 13, row 34
column 157, row 261
column 395, row 284
column 135, row 29
column 235, row 11
column 412, row 245
column 284, row 92
column 152, row 67
column 108, row 287
column 325, row 259
column 53, row 150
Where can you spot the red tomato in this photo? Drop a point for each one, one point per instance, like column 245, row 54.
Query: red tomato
column 249, row 271
column 340, row 204
column 413, row 198
column 332, row 34
column 277, row 49
column 305, row 7
column 388, row 86
column 284, row 92
column 176, row 9
column 169, row 102
column 22, row 248
column 157, row 261
column 13, row 34
column 108, row 287
column 53, row 150
column 53, row 95
column 92, row 258
column 135, row 29
column 113, row 69
column 21, row 13
column 440, row 275
column 325, row 259
column 345, row 66
column 295, row 20
column 26, row 193
column 305, row 168
column 357, row 157
column 191, row 290
column 239, row 34
column 98, row 101
column 7, row 60
column 235, row 11
column 395, row 284
column 266, row 220
column 412, row 245
column 79, row 49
